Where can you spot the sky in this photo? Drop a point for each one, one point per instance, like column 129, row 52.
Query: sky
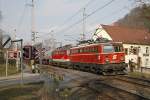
column 54, row 17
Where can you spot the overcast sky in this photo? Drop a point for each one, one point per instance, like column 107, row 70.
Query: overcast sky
column 54, row 15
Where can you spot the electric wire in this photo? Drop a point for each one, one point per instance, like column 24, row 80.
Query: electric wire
column 22, row 16
column 107, row 16
column 74, row 15
column 79, row 21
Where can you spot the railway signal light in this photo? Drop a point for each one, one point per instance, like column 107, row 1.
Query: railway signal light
column 15, row 54
column 27, row 53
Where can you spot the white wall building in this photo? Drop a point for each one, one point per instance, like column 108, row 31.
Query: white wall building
column 136, row 43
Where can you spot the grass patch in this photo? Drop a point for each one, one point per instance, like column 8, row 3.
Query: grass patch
column 140, row 75
column 18, row 92
column 11, row 70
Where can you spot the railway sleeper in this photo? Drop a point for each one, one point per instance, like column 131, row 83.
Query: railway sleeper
column 113, row 72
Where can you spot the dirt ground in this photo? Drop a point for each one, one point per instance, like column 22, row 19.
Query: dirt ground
column 18, row 92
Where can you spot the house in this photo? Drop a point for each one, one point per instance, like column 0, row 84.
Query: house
column 136, row 43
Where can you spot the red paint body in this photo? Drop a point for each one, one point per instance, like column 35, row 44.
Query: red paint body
column 60, row 55
column 94, row 54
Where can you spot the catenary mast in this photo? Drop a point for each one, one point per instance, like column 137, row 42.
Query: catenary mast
column 33, row 22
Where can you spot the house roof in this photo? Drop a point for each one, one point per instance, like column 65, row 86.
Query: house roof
column 128, row 35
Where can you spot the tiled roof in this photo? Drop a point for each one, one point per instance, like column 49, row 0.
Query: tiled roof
column 128, row 35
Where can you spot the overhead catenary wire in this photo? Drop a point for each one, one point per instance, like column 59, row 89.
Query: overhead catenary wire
column 110, row 15
column 22, row 16
column 75, row 14
column 107, row 16
column 79, row 21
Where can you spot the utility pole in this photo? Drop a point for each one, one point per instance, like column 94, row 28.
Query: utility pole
column 15, row 49
column 84, row 27
column 21, row 58
column 33, row 23
column 14, row 38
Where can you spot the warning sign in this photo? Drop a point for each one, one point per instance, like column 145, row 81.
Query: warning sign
column 13, row 54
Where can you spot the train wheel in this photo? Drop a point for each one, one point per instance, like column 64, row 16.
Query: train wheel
column 104, row 73
column 93, row 70
column 98, row 71
column 121, row 72
column 87, row 68
column 33, row 71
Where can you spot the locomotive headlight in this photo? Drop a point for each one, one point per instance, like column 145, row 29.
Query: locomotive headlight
column 121, row 58
column 99, row 57
column 107, row 60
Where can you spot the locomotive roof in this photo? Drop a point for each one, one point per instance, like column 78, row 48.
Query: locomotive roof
column 95, row 44
column 63, row 47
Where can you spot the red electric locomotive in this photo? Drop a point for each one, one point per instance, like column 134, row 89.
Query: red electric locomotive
column 102, row 57
column 60, row 56
column 105, row 58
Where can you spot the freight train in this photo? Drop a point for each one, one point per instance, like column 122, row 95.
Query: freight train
column 100, row 57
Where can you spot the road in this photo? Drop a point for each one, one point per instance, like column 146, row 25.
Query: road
column 28, row 77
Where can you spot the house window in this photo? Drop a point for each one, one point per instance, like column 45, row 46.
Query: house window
column 139, row 49
column 147, row 50
column 135, row 51
column 146, row 62
column 131, row 50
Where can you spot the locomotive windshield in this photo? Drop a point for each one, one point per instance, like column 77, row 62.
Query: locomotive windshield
column 108, row 48
column 118, row 48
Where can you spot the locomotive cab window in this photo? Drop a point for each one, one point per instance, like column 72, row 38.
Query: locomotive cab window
column 108, row 48
column 96, row 49
column 118, row 48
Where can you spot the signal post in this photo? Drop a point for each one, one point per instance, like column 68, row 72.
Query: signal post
column 21, row 57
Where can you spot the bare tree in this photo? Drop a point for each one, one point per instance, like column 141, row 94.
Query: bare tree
column 142, row 1
column 139, row 17
column 0, row 31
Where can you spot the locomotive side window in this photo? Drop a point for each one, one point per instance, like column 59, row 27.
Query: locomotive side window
column 96, row 49
column 80, row 50
column 74, row 51
column 88, row 49
column 84, row 50
column 92, row 49
column 108, row 48
column 116, row 48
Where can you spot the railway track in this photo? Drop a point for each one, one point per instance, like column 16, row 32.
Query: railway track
column 96, row 80
column 133, row 80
